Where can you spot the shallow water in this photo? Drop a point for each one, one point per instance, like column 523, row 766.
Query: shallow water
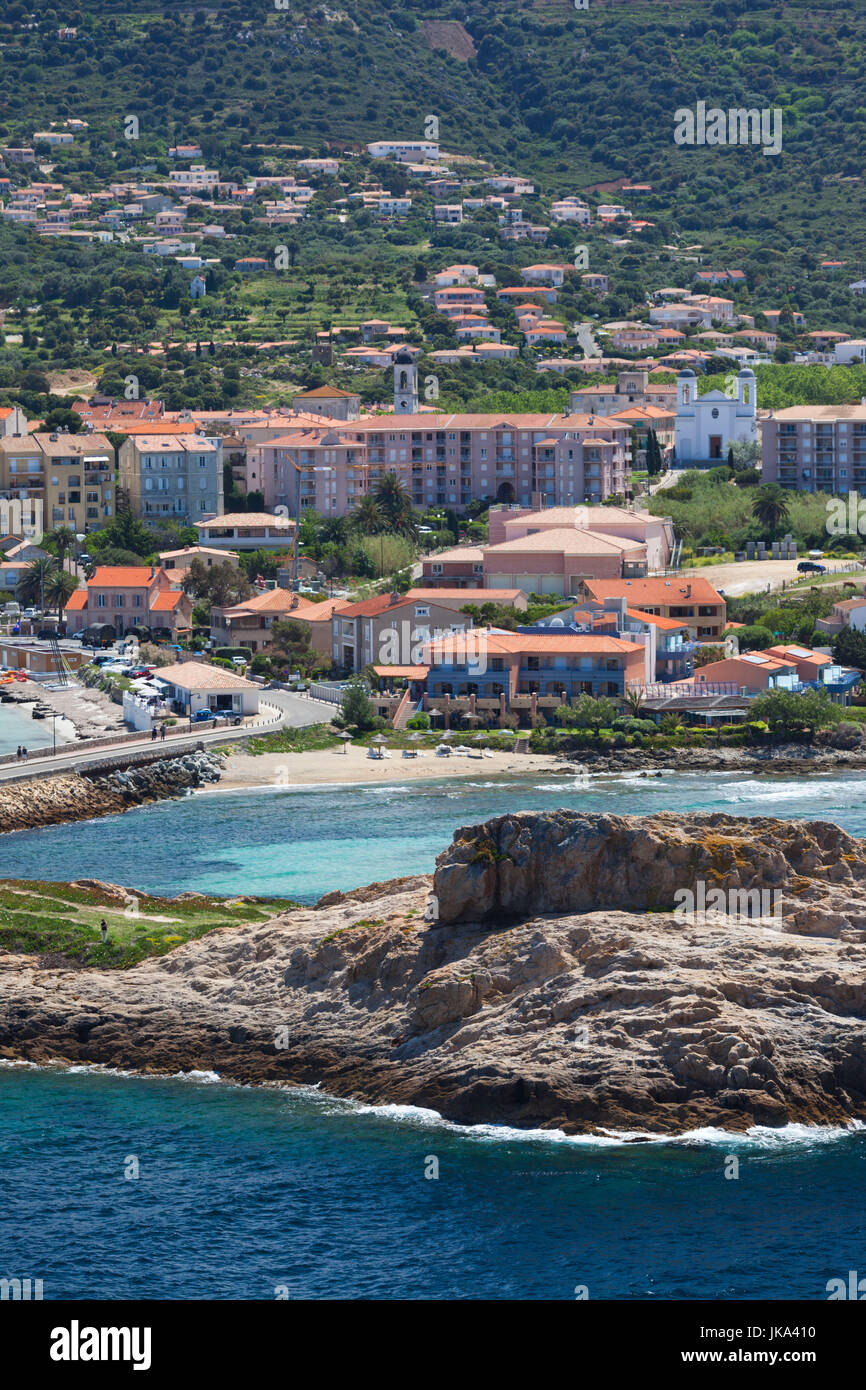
column 304, row 841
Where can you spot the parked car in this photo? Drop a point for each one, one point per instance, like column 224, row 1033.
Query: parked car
column 202, row 716
column 45, row 634
column 811, row 567
column 32, row 613
column 136, row 673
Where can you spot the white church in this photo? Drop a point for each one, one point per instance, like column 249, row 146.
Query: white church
column 707, row 425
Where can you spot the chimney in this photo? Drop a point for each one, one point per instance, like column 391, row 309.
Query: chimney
column 393, row 598
column 688, row 591
column 152, row 571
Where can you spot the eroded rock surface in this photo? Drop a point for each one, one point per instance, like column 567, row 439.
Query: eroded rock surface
column 604, row 1015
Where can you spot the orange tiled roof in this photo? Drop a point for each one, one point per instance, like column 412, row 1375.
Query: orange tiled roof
column 122, row 577
column 167, row 601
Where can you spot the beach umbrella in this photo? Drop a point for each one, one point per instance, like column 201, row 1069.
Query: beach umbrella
column 347, row 739
column 415, row 736
column 480, row 737
column 447, row 733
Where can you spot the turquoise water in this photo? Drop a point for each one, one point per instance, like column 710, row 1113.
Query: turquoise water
column 302, row 842
column 241, row 1191
column 17, row 726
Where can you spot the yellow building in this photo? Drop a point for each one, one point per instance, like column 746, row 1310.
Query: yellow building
column 79, row 486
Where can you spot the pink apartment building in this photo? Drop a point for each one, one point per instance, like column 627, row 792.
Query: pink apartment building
column 446, row 460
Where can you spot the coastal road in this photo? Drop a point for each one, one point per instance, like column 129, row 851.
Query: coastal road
column 297, row 712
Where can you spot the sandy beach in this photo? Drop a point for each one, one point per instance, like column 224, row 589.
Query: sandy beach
column 354, row 766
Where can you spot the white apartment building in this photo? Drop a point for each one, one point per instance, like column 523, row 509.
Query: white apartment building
column 413, row 151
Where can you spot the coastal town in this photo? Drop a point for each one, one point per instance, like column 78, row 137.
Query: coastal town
column 432, row 663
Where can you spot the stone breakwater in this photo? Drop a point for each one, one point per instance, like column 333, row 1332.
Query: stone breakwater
column 72, row 796
column 556, row 988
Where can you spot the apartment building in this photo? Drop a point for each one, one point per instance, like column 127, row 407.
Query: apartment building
column 196, row 179
column 391, row 629
column 571, row 210
column 655, row 533
column 177, row 476
column 491, row 664
column 406, row 151
column 249, row 624
column 816, row 448
column 71, row 475
column 695, row 601
column 450, row 460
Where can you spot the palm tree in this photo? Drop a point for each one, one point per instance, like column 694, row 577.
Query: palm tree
column 394, row 503
column 37, row 578
column 770, row 507
column 633, row 700
column 58, row 588
column 63, row 537
column 367, row 517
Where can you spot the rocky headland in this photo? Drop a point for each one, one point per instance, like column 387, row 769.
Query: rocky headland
column 69, row 796
column 541, row 977
column 831, row 750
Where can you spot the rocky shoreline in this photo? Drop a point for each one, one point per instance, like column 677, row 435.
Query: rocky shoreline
column 73, row 796
column 541, row 978
column 778, row 760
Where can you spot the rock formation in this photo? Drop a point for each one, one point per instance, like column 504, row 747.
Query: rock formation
column 69, row 796
column 557, row 988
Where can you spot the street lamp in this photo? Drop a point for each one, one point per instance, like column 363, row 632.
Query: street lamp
column 80, row 538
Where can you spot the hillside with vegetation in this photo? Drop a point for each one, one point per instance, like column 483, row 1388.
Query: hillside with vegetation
column 577, row 101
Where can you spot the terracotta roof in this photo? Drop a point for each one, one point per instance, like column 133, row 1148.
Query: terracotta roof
column 77, row 601
column 195, row 550
column 505, row 642
column 569, row 540
column 798, row 653
column 245, row 519
column 409, row 672
column 655, row 591
column 122, row 577
column 470, row 553
column 167, row 601
column 667, row 624
column 195, row 675
column 323, row 393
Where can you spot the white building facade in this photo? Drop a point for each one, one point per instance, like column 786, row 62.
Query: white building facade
column 707, row 425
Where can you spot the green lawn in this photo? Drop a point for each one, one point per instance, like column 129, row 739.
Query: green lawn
column 56, row 920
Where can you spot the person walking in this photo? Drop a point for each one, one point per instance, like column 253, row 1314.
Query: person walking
column 162, row 731
column 23, row 753
column 153, row 734
column 103, row 927
column 18, row 754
